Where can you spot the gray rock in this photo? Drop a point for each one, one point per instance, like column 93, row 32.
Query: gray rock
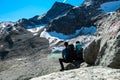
column 105, row 51
column 89, row 73
column 91, row 51
column 76, row 17
column 20, row 42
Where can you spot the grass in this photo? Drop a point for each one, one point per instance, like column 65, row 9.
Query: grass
column 55, row 55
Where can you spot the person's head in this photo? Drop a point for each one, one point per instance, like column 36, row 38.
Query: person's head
column 66, row 44
column 71, row 47
column 77, row 42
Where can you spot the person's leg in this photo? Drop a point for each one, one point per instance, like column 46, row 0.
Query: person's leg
column 10, row 44
column 61, row 63
column 2, row 56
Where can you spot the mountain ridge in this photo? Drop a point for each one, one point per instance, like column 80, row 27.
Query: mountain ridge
column 28, row 55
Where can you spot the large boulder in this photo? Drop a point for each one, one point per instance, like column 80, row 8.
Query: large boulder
column 91, row 51
column 105, row 50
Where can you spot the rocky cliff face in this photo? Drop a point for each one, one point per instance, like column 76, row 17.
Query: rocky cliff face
column 78, row 17
column 104, row 51
column 20, row 42
column 23, row 56
column 4, row 26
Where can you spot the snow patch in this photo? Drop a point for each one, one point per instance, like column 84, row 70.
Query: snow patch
column 110, row 6
column 52, row 40
column 57, row 49
column 85, row 38
column 36, row 29
column 84, row 31
column 64, row 1
column 88, row 3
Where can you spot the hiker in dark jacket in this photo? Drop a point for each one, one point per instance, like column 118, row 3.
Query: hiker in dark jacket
column 64, row 53
column 67, row 55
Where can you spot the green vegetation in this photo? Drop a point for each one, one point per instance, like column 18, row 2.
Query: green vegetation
column 55, row 55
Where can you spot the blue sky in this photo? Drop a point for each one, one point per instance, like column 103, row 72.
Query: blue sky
column 12, row 10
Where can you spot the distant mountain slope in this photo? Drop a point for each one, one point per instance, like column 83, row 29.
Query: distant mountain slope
column 83, row 15
column 20, row 42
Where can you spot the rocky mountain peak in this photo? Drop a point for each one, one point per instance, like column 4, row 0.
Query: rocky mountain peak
column 56, row 10
column 77, row 17
column 60, row 5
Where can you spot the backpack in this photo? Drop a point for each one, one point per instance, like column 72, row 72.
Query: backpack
column 78, row 48
column 70, row 53
column 79, row 52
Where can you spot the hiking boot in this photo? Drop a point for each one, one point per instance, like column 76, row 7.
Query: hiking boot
column 61, row 69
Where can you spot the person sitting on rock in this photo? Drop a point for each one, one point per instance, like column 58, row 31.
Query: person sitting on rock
column 66, row 55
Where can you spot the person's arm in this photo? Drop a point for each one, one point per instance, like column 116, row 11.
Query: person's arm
column 63, row 54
